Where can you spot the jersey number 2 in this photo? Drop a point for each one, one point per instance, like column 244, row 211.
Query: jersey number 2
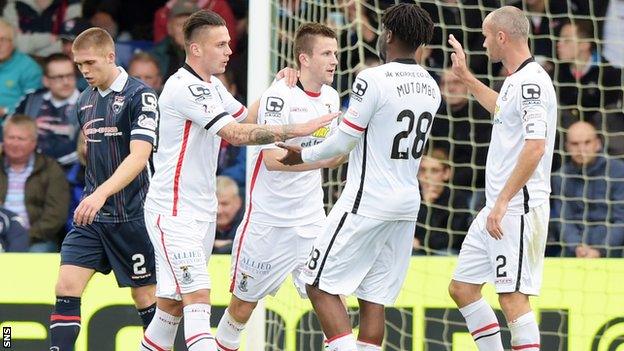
column 419, row 141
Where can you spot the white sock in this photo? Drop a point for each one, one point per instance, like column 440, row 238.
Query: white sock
column 342, row 342
column 161, row 332
column 197, row 328
column 483, row 325
column 229, row 333
column 525, row 334
column 365, row 346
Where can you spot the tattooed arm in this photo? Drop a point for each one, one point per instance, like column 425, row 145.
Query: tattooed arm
column 253, row 134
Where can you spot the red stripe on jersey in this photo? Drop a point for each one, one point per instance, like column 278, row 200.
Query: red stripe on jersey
column 196, row 336
column 176, row 177
column 60, row 317
column 527, row 346
column 336, row 337
column 153, row 344
column 162, row 240
column 239, row 112
column 354, row 126
column 312, row 94
column 487, row 327
column 254, row 176
column 221, row 347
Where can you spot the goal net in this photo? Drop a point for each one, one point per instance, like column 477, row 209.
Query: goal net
column 424, row 318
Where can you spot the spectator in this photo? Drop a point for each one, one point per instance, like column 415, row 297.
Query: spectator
column 170, row 51
column 13, row 235
column 145, row 67
column 76, row 179
column 610, row 122
column 229, row 214
column 69, row 32
column 588, row 198
column 52, row 108
column 32, row 185
column 463, row 129
column 463, row 19
column 39, row 22
column 586, row 80
column 545, row 20
column 19, row 74
column 221, row 7
column 443, row 218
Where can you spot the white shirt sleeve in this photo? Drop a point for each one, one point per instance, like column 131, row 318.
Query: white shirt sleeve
column 533, row 102
column 362, row 104
column 339, row 143
column 198, row 103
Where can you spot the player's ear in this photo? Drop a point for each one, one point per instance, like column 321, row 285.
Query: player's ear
column 389, row 36
column 110, row 57
column 195, row 49
column 304, row 60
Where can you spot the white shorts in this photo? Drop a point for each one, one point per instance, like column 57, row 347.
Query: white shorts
column 514, row 263
column 263, row 256
column 361, row 255
column 182, row 247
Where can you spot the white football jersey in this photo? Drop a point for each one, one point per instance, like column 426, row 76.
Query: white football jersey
column 526, row 108
column 393, row 105
column 288, row 199
column 192, row 112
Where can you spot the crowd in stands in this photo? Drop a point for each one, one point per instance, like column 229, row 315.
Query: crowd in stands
column 577, row 41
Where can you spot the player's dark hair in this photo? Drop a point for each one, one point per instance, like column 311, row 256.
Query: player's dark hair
column 197, row 21
column 304, row 38
column 57, row 57
column 410, row 24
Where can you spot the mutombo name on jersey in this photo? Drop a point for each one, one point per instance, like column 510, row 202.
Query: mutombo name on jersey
column 393, row 105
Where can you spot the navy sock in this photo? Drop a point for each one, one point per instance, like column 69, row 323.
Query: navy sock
column 65, row 323
column 147, row 314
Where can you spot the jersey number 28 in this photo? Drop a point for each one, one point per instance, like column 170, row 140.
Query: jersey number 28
column 421, row 133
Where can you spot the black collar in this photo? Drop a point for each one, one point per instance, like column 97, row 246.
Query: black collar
column 526, row 62
column 192, row 71
column 407, row 61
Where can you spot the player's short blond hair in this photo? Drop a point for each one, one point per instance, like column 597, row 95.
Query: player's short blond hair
column 96, row 38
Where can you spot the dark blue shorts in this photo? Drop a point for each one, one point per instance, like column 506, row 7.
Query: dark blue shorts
column 123, row 247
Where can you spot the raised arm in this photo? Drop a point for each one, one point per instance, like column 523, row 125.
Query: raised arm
column 486, row 96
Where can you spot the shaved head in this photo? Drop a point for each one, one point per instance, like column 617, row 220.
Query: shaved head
column 509, row 20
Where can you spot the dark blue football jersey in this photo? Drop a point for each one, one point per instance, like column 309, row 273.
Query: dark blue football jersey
column 127, row 111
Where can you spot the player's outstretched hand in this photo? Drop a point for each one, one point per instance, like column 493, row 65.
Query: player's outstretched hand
column 494, row 220
column 313, row 125
column 293, row 155
column 88, row 208
column 290, row 75
column 458, row 58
